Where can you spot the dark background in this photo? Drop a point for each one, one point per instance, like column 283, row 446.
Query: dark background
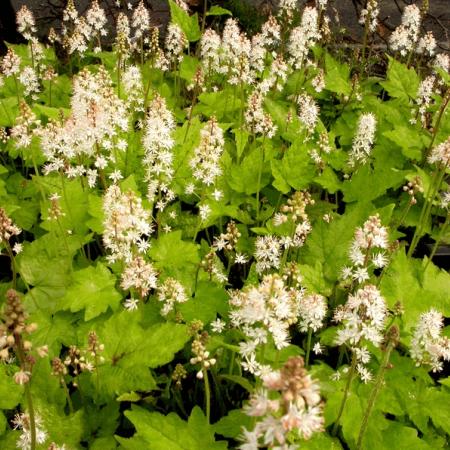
column 251, row 13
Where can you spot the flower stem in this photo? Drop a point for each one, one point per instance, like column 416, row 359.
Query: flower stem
column 308, row 348
column 32, row 418
column 426, row 208
column 438, row 240
column 13, row 264
column 393, row 332
column 351, row 374
column 260, row 171
column 207, row 395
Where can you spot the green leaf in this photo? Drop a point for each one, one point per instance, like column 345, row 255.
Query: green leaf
column 53, row 330
column 154, row 431
column 218, row 11
column 296, row 167
column 408, row 139
column 188, row 67
column 10, row 392
column 425, row 289
column 241, row 137
column 243, row 177
column 368, row 184
column 241, row 381
column 208, row 301
column 92, row 289
column 8, row 111
column 328, row 180
column 337, row 76
column 401, row 83
column 45, row 264
column 321, row 441
column 329, row 244
column 189, row 24
column 176, row 258
column 131, row 349
column 232, row 424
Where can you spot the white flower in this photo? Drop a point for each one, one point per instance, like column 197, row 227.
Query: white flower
column 364, row 373
column 18, row 247
column 217, row 195
column 218, row 326
column 131, row 304
column 241, row 258
column 317, row 348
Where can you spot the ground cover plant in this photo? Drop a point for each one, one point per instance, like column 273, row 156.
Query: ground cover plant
column 211, row 240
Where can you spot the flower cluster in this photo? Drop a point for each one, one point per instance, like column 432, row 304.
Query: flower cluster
column 303, row 37
column 428, row 346
column 169, row 293
column 440, row 154
column 363, row 140
column 363, row 320
column 206, row 161
column 127, row 224
column 91, row 133
column 139, row 275
column 404, row 37
column 158, row 159
column 312, row 312
column 289, row 408
column 263, row 311
column 22, row 422
column 368, row 250
column 369, row 15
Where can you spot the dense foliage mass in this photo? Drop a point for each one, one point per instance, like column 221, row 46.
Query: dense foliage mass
column 210, row 240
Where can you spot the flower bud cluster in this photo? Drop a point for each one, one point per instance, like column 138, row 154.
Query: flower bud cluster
column 369, row 15
column 228, row 241
column 412, row 188
column 256, row 120
column 10, row 65
column 7, row 228
column 13, row 333
column 202, row 356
